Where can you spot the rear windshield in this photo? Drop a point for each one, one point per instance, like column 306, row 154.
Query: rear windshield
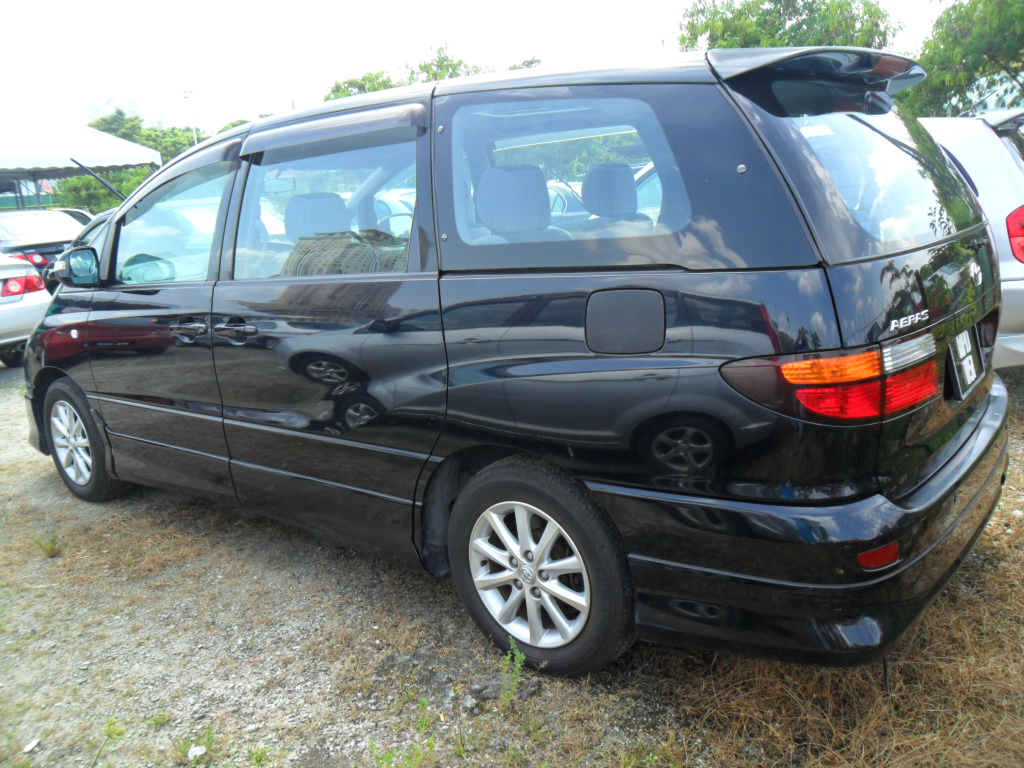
column 871, row 184
column 1015, row 143
column 39, row 227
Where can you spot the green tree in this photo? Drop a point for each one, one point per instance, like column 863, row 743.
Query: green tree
column 371, row 81
column 976, row 49
column 233, row 124
column 86, row 192
column 527, row 63
column 757, row 24
column 441, row 67
column 117, row 123
column 169, row 142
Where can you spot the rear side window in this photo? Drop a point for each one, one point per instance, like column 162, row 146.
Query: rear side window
column 871, row 184
column 595, row 176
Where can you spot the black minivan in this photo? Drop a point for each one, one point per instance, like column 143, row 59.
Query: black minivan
column 737, row 394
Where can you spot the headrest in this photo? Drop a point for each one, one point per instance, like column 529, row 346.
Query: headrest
column 513, row 198
column 315, row 213
column 609, row 190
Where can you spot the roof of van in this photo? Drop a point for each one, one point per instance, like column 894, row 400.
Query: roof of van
column 692, row 67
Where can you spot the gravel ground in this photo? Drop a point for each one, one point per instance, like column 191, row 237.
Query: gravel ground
column 169, row 631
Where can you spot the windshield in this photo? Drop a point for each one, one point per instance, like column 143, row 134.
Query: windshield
column 871, row 184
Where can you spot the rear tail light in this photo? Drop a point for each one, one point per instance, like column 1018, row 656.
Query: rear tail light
column 16, row 286
column 869, row 383
column 1015, row 229
column 32, row 258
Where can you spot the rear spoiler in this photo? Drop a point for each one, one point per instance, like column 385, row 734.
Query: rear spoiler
column 823, row 79
column 1004, row 121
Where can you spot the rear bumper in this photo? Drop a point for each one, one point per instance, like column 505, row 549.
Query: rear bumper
column 782, row 582
column 19, row 318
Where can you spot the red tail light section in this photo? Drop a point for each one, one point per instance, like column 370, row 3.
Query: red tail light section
column 16, row 286
column 1015, row 229
column 33, row 258
column 854, row 386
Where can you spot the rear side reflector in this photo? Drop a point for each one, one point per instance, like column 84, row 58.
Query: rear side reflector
column 869, row 383
column 1015, row 229
column 880, row 557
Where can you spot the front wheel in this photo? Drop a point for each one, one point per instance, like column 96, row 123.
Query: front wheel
column 535, row 559
column 76, row 444
column 13, row 357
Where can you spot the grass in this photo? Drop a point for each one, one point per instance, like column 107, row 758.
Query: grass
column 956, row 696
column 511, row 676
column 51, row 546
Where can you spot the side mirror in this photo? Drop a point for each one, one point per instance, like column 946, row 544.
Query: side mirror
column 77, row 268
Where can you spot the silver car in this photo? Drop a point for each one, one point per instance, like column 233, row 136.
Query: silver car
column 989, row 151
column 23, row 303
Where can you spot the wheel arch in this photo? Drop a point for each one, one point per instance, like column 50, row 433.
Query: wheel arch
column 443, row 488
column 40, row 386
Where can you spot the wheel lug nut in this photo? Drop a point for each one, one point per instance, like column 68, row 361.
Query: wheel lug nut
column 543, row 575
column 535, row 592
column 518, row 584
column 513, row 562
column 528, row 555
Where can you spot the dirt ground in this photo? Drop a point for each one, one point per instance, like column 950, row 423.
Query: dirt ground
column 168, row 631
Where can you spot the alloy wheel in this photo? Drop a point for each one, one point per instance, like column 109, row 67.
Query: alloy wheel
column 529, row 575
column 71, row 442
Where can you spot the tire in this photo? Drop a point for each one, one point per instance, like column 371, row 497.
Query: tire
column 570, row 624
column 13, row 357
column 76, row 444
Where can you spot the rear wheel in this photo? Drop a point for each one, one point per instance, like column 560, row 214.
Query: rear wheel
column 535, row 559
column 76, row 444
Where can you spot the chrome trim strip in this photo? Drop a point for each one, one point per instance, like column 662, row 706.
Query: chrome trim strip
column 342, row 486
column 329, row 439
column 151, row 407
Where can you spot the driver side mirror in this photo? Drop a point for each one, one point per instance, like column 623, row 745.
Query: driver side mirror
column 77, row 268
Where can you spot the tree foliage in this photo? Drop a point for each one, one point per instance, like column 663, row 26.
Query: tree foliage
column 233, row 124
column 758, row 24
column 169, row 142
column 86, row 192
column 371, row 81
column 976, row 49
column 441, row 67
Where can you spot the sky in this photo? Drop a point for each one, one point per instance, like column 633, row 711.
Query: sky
column 207, row 64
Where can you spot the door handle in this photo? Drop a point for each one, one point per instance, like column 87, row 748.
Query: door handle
column 235, row 330
column 189, row 329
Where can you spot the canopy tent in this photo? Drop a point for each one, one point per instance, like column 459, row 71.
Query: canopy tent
column 47, row 151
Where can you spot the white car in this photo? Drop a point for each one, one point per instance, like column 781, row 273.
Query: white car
column 989, row 151
column 23, row 303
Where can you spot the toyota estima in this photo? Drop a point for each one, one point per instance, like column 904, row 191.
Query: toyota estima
column 757, row 413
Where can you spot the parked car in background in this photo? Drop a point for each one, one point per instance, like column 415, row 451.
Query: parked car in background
column 23, row 302
column 38, row 236
column 989, row 151
column 744, row 399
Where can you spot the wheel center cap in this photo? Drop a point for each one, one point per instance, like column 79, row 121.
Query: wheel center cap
column 527, row 573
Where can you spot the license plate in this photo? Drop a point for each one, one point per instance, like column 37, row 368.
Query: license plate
column 966, row 362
